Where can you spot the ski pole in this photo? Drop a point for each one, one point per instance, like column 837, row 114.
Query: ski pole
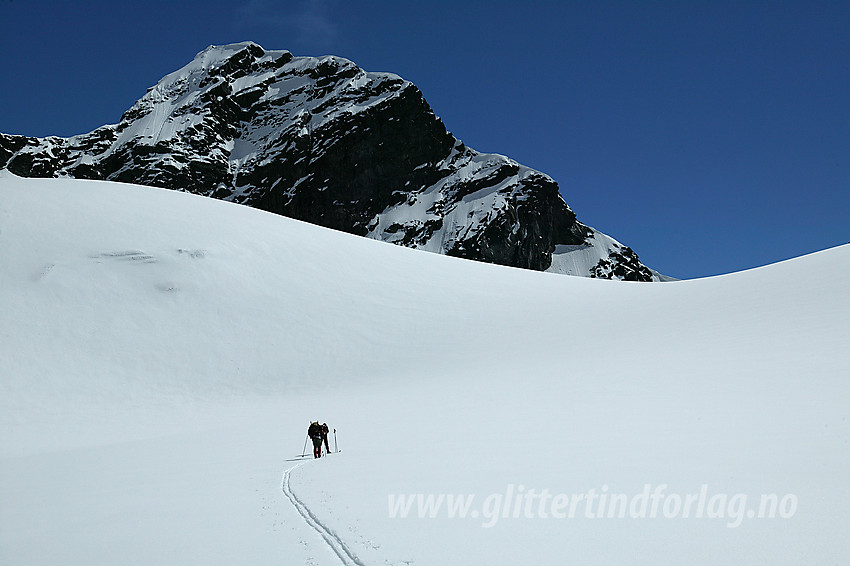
column 304, row 450
column 336, row 448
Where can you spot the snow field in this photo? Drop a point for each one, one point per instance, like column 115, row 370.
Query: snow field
column 161, row 355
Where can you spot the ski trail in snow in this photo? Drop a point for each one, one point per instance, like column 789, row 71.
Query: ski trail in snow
column 328, row 535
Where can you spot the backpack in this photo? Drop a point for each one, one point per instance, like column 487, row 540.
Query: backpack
column 314, row 430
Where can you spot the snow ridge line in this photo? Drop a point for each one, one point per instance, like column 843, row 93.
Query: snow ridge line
column 346, row 556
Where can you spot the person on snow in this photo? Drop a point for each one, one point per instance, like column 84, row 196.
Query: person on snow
column 325, row 431
column 314, row 431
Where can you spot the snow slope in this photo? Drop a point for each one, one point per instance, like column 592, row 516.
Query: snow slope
column 161, row 355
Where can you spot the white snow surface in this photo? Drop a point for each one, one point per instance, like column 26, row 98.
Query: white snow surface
column 579, row 260
column 161, row 355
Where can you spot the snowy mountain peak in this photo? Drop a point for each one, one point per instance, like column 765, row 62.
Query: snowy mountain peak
column 217, row 56
column 321, row 140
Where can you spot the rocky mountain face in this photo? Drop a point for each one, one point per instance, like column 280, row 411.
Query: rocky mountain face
column 321, row 140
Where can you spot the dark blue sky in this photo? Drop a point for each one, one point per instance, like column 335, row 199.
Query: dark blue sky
column 709, row 136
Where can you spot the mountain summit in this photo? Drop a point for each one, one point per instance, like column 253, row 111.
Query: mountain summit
column 321, row 140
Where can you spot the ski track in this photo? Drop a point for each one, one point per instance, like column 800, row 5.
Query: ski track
column 336, row 544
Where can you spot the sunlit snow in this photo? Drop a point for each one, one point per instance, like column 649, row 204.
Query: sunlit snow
column 162, row 354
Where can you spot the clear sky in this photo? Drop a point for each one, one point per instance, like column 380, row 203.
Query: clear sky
column 710, row 137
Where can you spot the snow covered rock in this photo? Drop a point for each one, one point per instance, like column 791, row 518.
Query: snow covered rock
column 321, row 140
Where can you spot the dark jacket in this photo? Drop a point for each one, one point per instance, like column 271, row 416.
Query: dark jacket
column 315, row 430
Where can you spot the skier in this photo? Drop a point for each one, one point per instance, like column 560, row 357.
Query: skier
column 325, row 431
column 315, row 433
